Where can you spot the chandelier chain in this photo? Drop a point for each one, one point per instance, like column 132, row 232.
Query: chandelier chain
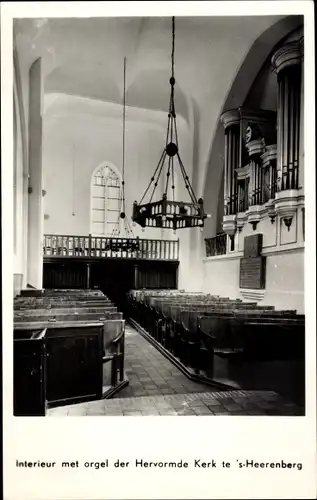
column 187, row 181
column 162, row 161
column 173, row 45
column 173, row 182
column 168, row 173
column 153, row 177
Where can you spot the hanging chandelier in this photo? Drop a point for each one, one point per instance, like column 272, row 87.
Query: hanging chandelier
column 168, row 213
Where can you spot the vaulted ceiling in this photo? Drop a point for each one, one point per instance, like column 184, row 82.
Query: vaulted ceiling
column 84, row 57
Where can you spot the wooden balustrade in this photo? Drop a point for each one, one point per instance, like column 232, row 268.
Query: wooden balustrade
column 216, row 245
column 103, row 247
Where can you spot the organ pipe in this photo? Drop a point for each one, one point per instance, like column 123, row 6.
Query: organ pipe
column 231, row 123
column 287, row 64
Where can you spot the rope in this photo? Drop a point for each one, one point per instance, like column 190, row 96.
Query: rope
column 122, row 225
column 123, row 136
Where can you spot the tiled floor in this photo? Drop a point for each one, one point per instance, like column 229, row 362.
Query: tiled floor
column 158, row 388
column 203, row 403
column 150, row 373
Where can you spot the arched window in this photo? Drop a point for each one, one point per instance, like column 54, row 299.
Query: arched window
column 105, row 200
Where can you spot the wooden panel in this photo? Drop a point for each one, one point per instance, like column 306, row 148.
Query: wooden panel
column 74, row 369
column 29, row 369
column 64, row 275
column 252, row 273
column 253, row 245
column 158, row 275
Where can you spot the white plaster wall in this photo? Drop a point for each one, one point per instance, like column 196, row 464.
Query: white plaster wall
column 221, row 276
column 284, row 278
column 76, row 142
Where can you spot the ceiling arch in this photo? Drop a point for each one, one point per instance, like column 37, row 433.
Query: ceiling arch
column 90, row 80
column 151, row 90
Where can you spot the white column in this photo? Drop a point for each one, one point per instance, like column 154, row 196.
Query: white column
column 301, row 179
column 35, row 210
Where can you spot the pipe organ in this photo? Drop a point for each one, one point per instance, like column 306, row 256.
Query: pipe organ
column 262, row 151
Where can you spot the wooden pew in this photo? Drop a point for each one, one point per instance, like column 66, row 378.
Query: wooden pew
column 59, row 304
column 32, row 292
column 72, row 361
column 113, row 345
column 61, row 297
column 196, row 348
column 268, row 353
column 255, row 333
column 64, row 310
column 75, row 336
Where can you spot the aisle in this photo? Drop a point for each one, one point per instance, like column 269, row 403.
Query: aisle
column 158, row 388
column 150, row 373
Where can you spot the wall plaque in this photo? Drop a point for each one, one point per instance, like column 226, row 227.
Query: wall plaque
column 253, row 245
column 252, row 273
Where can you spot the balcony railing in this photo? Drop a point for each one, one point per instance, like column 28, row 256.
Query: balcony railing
column 102, row 247
column 216, row 245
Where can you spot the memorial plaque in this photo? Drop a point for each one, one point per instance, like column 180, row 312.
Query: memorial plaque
column 253, row 245
column 252, row 273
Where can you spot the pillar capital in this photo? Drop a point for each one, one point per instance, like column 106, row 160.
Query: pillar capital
column 230, row 118
column 288, row 55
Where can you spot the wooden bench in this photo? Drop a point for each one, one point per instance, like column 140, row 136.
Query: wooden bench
column 51, row 312
column 71, row 362
column 76, row 358
column 260, row 338
column 113, row 346
column 60, row 304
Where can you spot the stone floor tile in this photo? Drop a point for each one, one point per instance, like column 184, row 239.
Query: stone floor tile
column 185, row 412
column 232, row 407
column 167, row 413
column 256, row 412
column 217, row 408
column 202, row 411
column 136, row 413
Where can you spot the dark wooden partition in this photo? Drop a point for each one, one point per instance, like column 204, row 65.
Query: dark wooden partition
column 65, row 274
column 115, row 277
column 156, row 275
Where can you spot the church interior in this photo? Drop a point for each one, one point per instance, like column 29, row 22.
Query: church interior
column 159, row 216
